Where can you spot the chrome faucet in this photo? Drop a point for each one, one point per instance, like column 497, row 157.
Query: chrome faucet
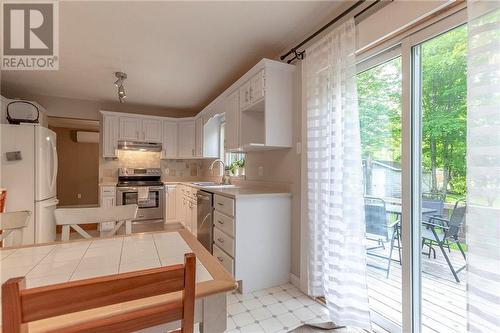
column 225, row 180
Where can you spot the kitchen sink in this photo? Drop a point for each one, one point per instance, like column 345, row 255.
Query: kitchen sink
column 212, row 184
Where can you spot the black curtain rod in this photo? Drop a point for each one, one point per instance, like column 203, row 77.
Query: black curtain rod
column 300, row 55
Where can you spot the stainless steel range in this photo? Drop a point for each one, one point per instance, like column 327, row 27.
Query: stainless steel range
column 144, row 188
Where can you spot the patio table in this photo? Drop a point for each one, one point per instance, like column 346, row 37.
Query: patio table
column 396, row 209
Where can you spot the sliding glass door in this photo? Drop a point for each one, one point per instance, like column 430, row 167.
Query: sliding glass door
column 440, row 90
column 413, row 122
column 435, row 125
column 379, row 100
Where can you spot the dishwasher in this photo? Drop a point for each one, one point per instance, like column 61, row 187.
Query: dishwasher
column 204, row 219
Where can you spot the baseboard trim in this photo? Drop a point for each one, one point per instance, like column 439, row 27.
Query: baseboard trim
column 295, row 280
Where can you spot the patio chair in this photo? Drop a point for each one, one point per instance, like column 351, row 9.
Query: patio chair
column 438, row 206
column 442, row 232
column 379, row 229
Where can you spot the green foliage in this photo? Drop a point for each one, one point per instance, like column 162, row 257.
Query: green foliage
column 444, row 110
column 444, row 106
column 379, row 99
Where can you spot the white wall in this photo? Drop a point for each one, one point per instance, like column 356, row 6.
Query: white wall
column 83, row 109
column 393, row 17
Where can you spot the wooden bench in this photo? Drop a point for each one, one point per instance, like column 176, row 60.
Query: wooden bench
column 73, row 217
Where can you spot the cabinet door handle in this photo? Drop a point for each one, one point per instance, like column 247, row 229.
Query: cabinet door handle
column 220, row 240
column 246, row 95
column 137, row 134
column 220, row 204
column 220, row 222
column 251, row 93
column 220, row 259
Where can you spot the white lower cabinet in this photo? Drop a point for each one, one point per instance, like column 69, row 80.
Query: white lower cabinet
column 252, row 239
column 193, row 207
column 225, row 259
column 107, row 196
column 170, row 204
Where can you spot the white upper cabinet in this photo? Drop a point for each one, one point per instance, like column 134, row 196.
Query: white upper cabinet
column 187, row 133
column 109, row 137
column 169, row 144
column 211, row 136
column 152, row 130
column 130, row 128
column 245, row 95
column 232, row 111
column 257, row 87
column 199, row 137
column 140, row 129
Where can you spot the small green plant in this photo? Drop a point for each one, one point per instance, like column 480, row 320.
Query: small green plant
column 233, row 167
column 240, row 163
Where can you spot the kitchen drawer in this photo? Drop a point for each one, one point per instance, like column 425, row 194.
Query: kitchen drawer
column 224, row 259
column 224, row 223
column 108, row 191
column 224, row 241
column 224, row 205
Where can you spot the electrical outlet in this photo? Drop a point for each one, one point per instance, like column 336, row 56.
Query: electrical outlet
column 166, row 171
column 79, row 196
column 261, row 171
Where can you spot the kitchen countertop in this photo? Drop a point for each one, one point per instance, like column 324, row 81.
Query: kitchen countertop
column 108, row 183
column 237, row 191
column 50, row 263
column 232, row 192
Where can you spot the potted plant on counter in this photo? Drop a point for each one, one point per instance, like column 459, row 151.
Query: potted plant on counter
column 234, row 169
column 241, row 166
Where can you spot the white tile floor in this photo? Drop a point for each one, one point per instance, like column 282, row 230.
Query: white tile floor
column 278, row 309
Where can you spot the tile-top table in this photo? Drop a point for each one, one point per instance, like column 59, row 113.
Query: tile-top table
column 52, row 263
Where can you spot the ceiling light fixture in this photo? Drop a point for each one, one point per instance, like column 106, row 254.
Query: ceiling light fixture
column 119, row 84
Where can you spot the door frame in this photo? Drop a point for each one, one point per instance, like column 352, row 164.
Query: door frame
column 411, row 167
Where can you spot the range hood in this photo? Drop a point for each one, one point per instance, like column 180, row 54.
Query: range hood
column 139, row 146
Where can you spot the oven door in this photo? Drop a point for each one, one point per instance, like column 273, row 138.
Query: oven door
column 150, row 209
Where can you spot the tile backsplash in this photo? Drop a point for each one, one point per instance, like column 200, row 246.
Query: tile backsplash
column 172, row 170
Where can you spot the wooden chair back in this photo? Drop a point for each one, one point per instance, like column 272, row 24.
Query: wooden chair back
column 12, row 221
column 21, row 306
column 3, row 199
column 73, row 217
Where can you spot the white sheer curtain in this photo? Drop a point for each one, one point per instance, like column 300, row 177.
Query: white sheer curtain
column 334, row 175
column 483, row 167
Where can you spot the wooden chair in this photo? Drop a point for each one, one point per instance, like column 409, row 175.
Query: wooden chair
column 11, row 221
column 73, row 217
column 21, row 306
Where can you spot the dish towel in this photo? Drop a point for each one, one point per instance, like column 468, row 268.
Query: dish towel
column 142, row 194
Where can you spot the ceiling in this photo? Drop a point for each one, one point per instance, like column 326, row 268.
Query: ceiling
column 178, row 55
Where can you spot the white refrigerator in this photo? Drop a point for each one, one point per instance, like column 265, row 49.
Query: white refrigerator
column 29, row 173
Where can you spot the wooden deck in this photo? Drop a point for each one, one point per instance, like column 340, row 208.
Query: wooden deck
column 444, row 300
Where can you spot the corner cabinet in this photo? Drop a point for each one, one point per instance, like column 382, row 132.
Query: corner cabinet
column 259, row 108
column 109, row 136
column 198, row 150
column 187, row 133
column 232, row 126
column 169, row 144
